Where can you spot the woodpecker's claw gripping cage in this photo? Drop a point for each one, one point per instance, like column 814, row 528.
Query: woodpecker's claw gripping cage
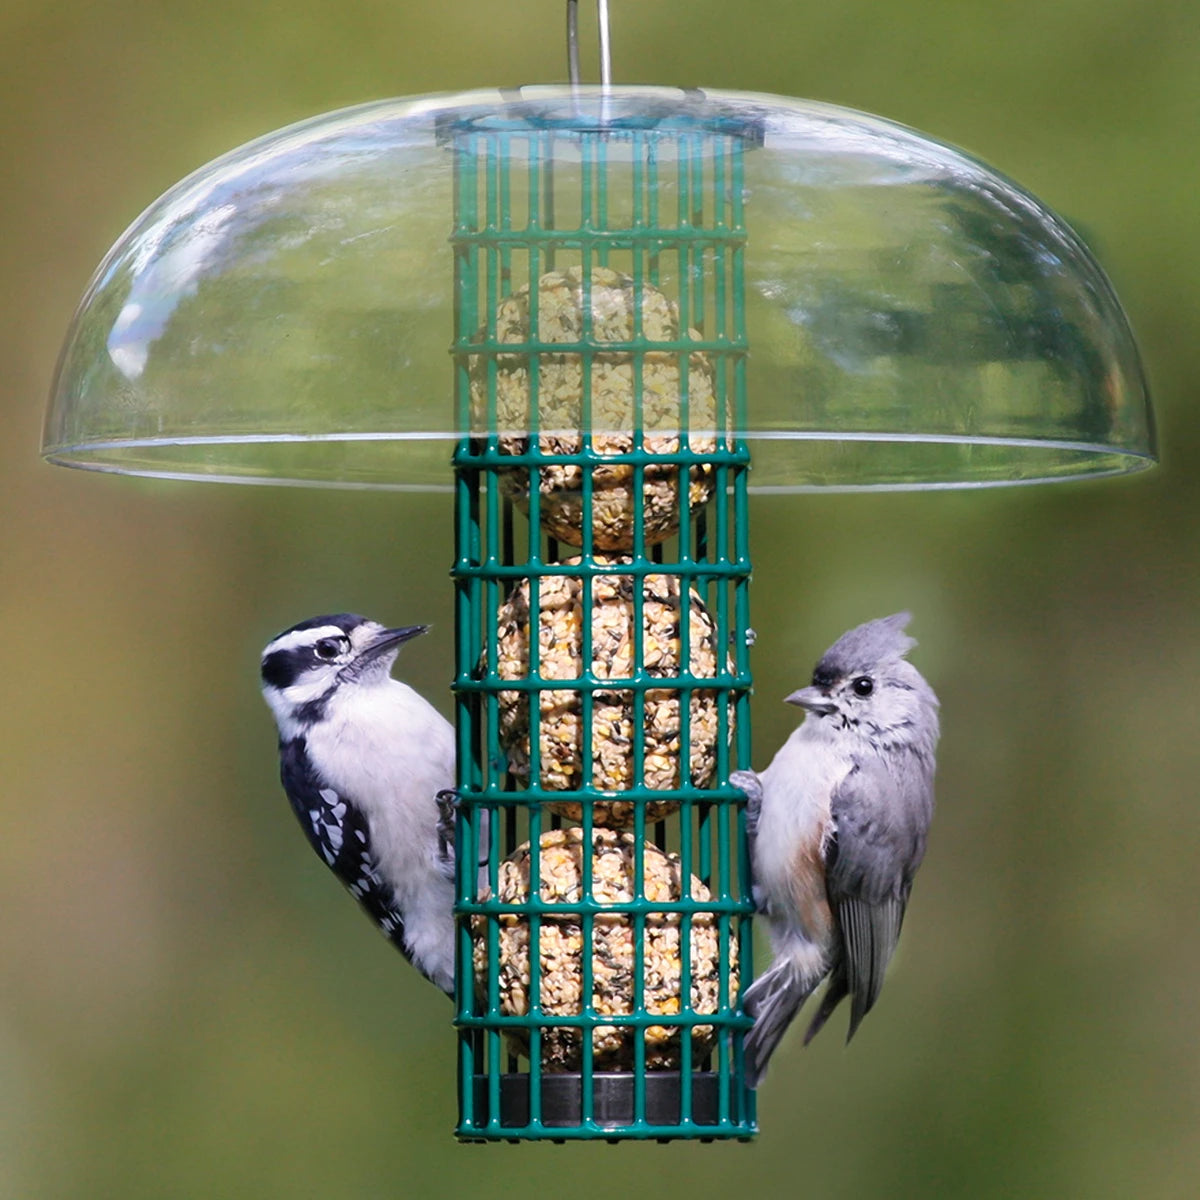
column 602, row 631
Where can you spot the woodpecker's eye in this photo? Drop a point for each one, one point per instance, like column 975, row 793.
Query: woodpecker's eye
column 329, row 648
column 864, row 685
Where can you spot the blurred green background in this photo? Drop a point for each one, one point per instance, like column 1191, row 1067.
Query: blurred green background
column 188, row 1004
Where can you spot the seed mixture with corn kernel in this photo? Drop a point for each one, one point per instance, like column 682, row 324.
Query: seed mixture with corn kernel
column 560, row 946
column 613, row 304
column 560, row 717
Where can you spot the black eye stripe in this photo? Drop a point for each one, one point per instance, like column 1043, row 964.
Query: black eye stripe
column 284, row 667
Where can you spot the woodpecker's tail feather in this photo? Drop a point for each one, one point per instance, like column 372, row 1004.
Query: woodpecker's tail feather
column 773, row 1000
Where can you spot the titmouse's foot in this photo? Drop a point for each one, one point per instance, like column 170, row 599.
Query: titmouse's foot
column 748, row 783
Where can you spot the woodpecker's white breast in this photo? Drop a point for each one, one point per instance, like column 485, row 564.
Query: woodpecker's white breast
column 390, row 752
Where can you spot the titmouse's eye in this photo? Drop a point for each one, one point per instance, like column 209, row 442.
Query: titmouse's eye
column 864, row 685
column 329, row 648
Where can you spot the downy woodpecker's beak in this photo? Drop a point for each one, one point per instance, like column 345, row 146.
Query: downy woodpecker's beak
column 813, row 700
column 389, row 639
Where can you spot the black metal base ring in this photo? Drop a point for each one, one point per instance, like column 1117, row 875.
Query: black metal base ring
column 612, row 1099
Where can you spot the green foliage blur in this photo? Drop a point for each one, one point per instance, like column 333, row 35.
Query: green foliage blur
column 189, row 1007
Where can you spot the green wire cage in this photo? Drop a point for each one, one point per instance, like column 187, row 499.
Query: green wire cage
column 602, row 614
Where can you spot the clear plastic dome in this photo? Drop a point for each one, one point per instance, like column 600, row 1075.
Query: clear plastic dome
column 911, row 318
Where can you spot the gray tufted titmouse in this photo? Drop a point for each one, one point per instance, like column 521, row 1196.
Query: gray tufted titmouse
column 837, row 827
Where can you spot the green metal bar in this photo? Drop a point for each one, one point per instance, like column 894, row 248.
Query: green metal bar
column 587, row 599
column 466, row 590
column 533, row 234
column 627, row 346
column 728, row 821
column 641, row 907
column 688, row 830
column 653, row 240
column 608, row 239
column 638, row 697
column 493, row 288
column 591, row 457
column 587, row 1021
column 601, row 172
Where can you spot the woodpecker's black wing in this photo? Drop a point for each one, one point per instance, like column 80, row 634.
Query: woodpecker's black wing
column 338, row 832
column 881, row 815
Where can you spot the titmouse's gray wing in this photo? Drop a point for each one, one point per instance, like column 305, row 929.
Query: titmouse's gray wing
column 881, row 813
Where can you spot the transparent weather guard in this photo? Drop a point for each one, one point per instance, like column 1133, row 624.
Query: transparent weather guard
column 914, row 318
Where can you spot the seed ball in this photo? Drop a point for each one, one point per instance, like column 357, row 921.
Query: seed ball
column 560, row 715
column 561, row 947
column 612, row 304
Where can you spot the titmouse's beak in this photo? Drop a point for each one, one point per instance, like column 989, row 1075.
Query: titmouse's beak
column 813, row 700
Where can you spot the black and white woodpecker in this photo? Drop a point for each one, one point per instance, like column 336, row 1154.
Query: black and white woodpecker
column 363, row 759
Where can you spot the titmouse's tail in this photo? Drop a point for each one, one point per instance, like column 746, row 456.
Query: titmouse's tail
column 773, row 1000
column 835, row 993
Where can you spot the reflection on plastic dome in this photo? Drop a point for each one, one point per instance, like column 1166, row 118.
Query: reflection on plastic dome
column 910, row 318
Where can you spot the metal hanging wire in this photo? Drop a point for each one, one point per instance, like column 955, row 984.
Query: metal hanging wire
column 573, row 42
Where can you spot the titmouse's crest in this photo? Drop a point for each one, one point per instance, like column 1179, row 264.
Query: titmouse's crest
column 866, row 646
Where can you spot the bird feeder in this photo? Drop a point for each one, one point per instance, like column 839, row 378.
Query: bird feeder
column 601, row 316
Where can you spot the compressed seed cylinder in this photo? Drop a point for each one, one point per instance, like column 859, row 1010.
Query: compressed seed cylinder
column 561, row 947
column 617, row 309
column 614, row 711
